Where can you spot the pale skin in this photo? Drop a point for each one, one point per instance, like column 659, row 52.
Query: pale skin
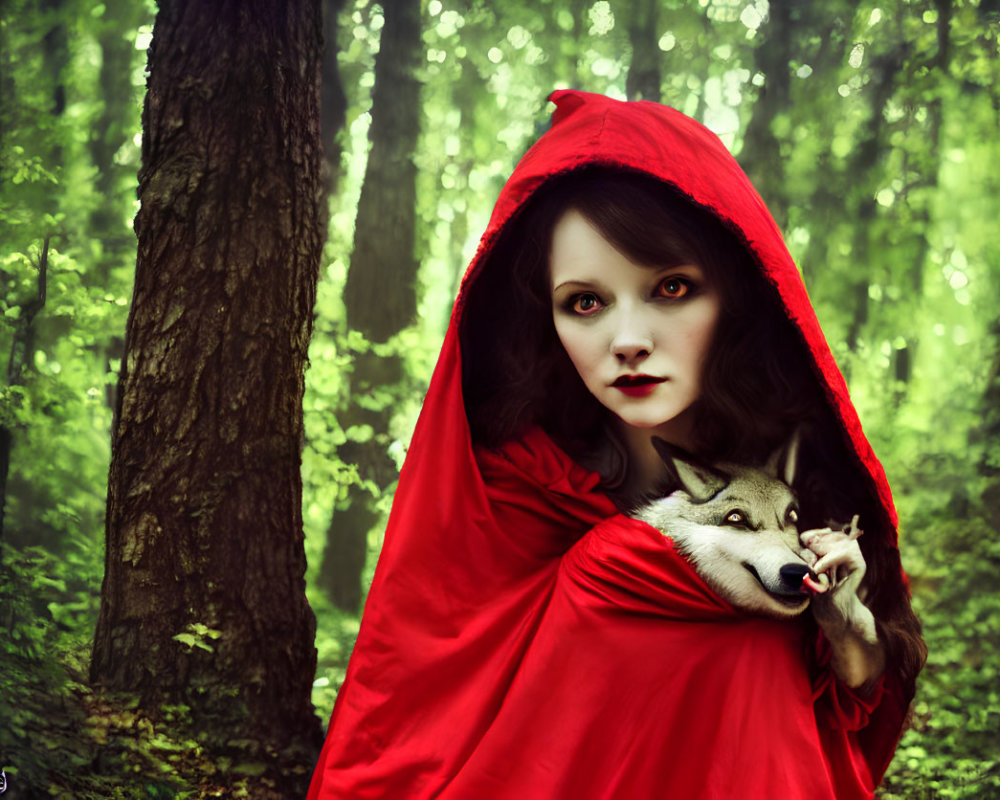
column 858, row 656
column 638, row 336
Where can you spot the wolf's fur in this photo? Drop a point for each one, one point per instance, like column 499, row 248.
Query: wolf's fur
column 737, row 527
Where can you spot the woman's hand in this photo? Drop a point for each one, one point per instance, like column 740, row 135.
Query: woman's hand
column 849, row 625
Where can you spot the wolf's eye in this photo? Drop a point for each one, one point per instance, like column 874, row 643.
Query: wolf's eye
column 793, row 515
column 736, row 517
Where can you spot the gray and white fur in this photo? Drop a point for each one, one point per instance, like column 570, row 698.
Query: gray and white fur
column 737, row 526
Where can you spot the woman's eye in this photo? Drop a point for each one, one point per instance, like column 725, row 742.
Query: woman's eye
column 735, row 518
column 673, row 288
column 586, row 303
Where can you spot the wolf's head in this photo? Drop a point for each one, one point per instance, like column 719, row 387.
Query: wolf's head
column 737, row 526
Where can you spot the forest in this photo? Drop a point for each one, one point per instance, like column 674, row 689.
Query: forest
column 230, row 237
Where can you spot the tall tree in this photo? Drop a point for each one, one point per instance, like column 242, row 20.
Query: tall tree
column 861, row 206
column 20, row 351
column 380, row 293
column 120, row 19
column 203, row 601
column 925, row 166
column 989, row 432
column 108, row 230
column 333, row 100
column 761, row 154
column 50, row 26
column 643, row 82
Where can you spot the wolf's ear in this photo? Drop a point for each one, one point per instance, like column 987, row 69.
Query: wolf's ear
column 699, row 480
column 784, row 461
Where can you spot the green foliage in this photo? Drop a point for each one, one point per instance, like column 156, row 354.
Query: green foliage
column 885, row 172
column 951, row 750
column 59, row 336
column 336, row 632
column 195, row 635
column 54, row 732
column 62, row 739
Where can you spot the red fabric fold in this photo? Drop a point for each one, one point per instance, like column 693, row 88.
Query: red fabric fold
column 703, row 702
column 599, row 663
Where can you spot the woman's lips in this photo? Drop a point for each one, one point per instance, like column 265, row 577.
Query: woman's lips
column 637, row 385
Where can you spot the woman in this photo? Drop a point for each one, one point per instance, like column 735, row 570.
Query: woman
column 526, row 638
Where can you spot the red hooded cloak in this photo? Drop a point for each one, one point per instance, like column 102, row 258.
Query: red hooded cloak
column 523, row 639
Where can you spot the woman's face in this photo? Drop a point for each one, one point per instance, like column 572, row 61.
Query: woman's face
column 637, row 335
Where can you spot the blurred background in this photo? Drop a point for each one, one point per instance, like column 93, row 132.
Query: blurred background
column 870, row 129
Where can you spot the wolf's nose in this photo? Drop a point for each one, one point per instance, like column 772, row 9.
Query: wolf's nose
column 791, row 576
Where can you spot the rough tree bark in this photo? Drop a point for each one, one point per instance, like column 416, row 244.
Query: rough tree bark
column 380, row 293
column 204, row 527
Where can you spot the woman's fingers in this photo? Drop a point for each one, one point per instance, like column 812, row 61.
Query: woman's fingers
column 845, row 557
column 822, row 540
column 834, row 553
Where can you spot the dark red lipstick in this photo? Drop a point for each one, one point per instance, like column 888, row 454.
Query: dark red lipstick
column 637, row 385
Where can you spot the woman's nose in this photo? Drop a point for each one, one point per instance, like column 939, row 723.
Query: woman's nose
column 630, row 346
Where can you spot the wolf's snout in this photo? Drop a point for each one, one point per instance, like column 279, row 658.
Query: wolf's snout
column 792, row 575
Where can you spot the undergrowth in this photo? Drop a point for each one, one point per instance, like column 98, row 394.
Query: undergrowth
column 63, row 740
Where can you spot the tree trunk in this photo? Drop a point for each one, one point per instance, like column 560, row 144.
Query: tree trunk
column 380, row 293
column 55, row 50
column 464, row 94
column 987, row 433
column 21, row 350
column 905, row 356
column 111, row 132
column 333, row 102
column 864, row 158
column 578, row 8
column 55, row 61
column 761, row 153
column 117, row 244
column 989, row 429
column 643, row 81
column 203, row 602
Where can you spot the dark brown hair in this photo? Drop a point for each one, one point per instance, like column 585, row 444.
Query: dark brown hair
column 759, row 384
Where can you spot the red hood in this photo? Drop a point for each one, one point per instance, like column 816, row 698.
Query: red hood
column 590, row 129
column 472, row 566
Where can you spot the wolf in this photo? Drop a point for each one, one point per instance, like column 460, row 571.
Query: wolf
column 738, row 527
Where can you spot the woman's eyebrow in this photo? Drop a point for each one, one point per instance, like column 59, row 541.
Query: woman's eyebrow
column 684, row 266
column 581, row 282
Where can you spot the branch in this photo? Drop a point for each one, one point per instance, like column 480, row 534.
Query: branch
column 36, row 304
column 29, row 310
